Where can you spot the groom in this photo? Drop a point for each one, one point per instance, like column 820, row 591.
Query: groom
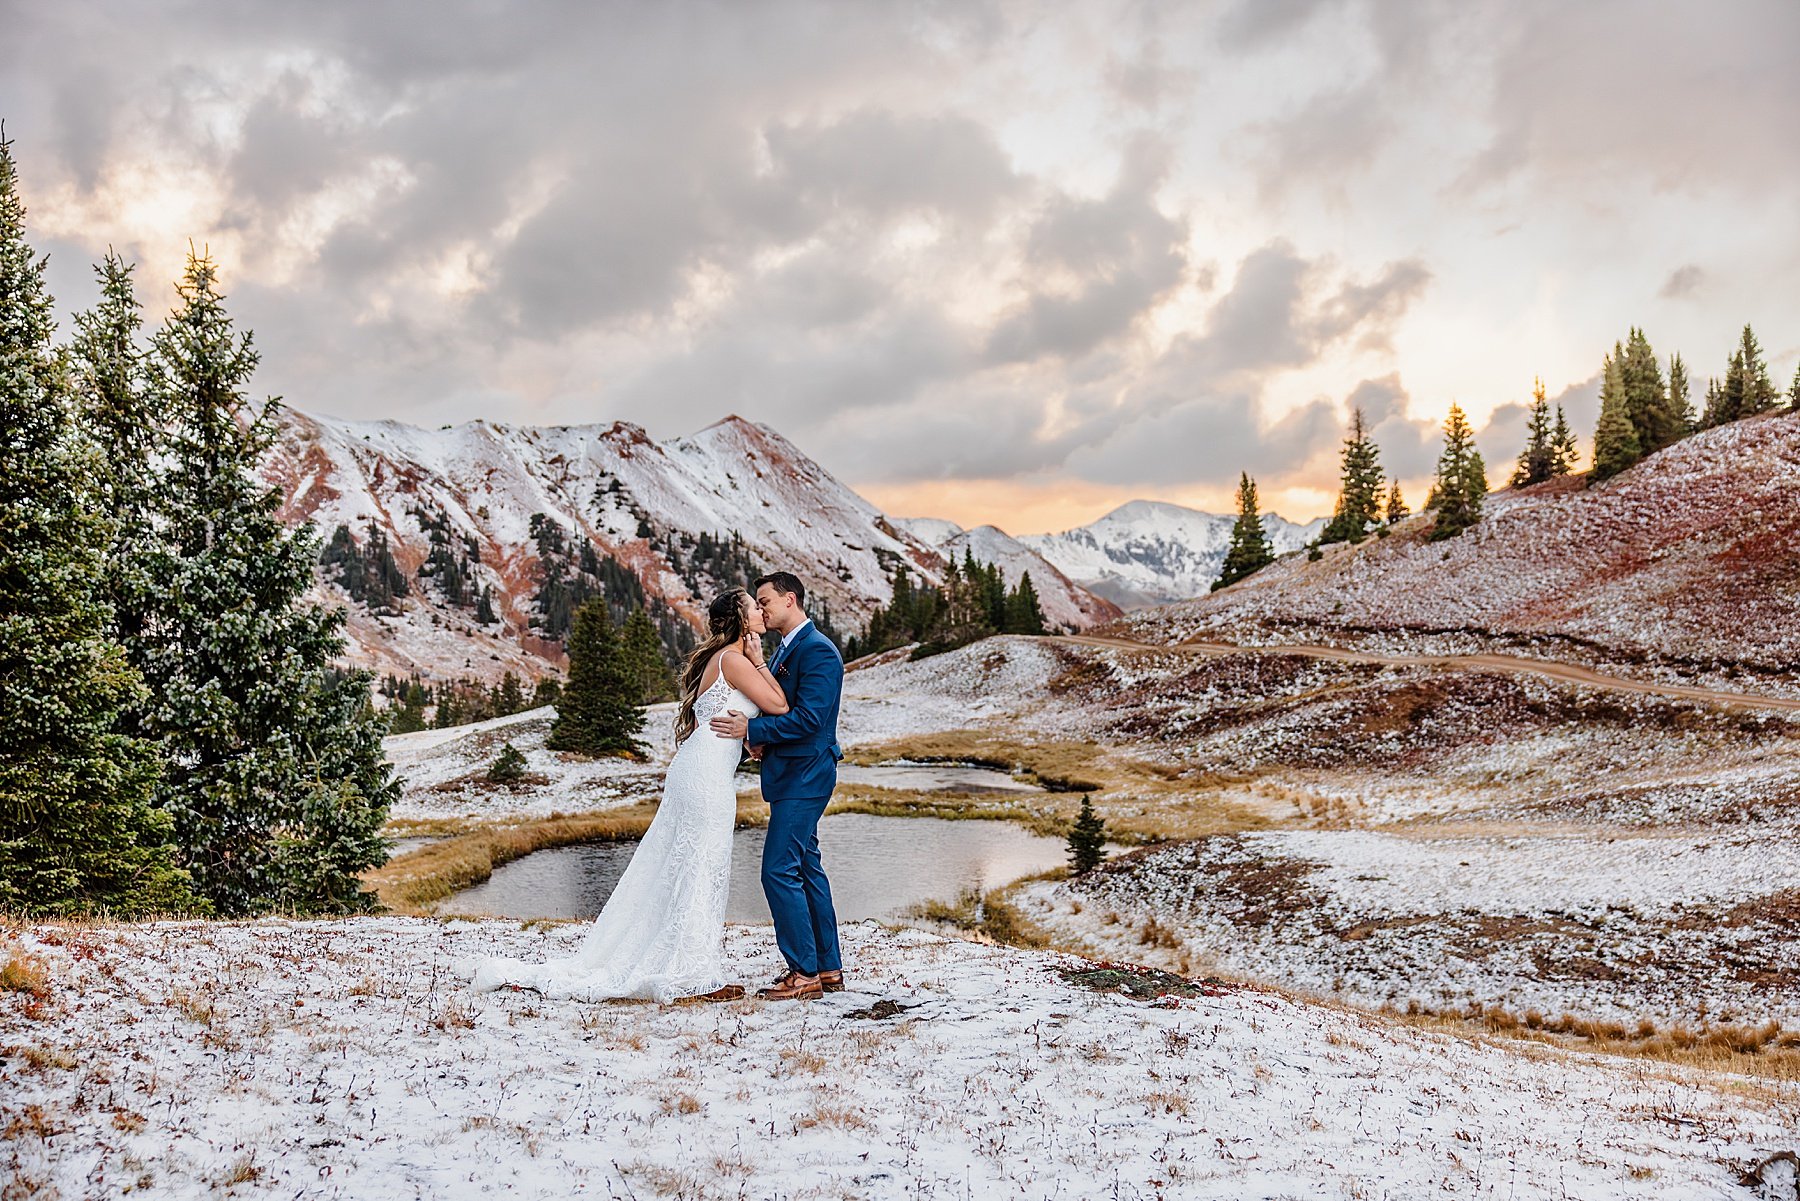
column 799, row 770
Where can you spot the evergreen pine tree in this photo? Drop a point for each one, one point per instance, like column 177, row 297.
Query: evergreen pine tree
column 1562, row 442
column 642, row 647
column 1759, row 394
column 508, row 766
column 277, row 781
column 1396, row 504
column 1087, row 838
column 1359, row 498
column 1649, row 405
column 1461, row 479
column 1681, row 405
column 598, row 712
column 78, row 826
column 484, row 608
column 1024, row 614
column 1793, row 396
column 1615, row 437
column 1249, row 550
column 1537, row 462
column 1714, row 412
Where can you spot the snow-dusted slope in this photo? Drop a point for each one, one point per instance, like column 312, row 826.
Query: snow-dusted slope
column 630, row 497
column 1147, row 552
column 1065, row 603
column 1687, row 560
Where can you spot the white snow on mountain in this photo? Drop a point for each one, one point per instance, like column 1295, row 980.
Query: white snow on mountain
column 1148, row 552
column 632, row 498
column 933, row 530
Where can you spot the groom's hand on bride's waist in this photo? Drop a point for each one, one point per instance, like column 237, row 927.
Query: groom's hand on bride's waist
column 731, row 724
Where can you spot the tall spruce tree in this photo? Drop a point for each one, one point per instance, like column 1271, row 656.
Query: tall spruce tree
column 79, row 829
column 1461, row 483
column 277, row 781
column 1359, row 498
column 1648, row 403
column 1249, row 550
column 1681, row 404
column 1537, row 462
column 597, row 713
column 1616, row 445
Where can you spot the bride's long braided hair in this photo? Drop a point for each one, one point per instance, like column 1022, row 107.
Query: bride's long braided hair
column 724, row 626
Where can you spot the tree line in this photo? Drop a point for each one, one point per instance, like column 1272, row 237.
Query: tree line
column 1642, row 411
column 173, row 733
column 973, row 603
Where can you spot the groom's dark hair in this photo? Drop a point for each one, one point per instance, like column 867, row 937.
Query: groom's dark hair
column 784, row 582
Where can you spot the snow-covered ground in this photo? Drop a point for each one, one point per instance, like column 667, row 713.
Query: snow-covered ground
column 1681, row 928
column 346, row 1059
column 443, row 771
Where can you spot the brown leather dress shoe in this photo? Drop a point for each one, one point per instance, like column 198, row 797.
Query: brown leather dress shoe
column 831, row 981
column 729, row 992
column 792, row 987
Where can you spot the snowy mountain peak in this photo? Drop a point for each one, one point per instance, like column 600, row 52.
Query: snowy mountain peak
column 1148, row 552
column 643, row 503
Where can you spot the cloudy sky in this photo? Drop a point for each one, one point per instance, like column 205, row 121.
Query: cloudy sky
column 992, row 262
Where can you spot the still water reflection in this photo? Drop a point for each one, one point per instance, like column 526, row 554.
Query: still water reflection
column 879, row 867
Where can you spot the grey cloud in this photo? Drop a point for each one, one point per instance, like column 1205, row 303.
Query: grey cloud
column 1683, row 281
column 1126, row 252
column 1695, row 98
column 1274, row 318
column 883, row 163
column 1253, row 24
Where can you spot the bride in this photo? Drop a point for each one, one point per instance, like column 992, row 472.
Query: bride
column 659, row 933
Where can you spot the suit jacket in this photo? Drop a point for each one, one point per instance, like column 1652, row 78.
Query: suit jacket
column 800, row 747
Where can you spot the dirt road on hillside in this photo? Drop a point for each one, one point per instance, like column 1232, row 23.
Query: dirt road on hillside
column 1567, row 673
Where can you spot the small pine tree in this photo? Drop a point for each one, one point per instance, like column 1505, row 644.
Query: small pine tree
column 1537, row 462
column 598, row 712
column 484, row 608
column 508, row 766
column 1747, row 389
column 1615, row 437
column 1793, row 396
column 1249, row 550
column 1681, row 405
column 1024, row 613
column 1396, row 504
column 1461, row 479
column 1359, row 498
column 547, row 692
column 1562, row 442
column 642, row 647
column 1087, row 838
column 78, row 827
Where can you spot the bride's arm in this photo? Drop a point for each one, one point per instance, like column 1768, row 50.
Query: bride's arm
column 754, row 681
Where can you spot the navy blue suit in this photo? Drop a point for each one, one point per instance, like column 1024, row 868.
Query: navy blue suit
column 799, row 772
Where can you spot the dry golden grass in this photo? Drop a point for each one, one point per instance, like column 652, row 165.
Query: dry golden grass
column 1767, row 1052
column 683, row 1104
column 26, row 974
column 470, row 852
column 989, row 917
column 837, row 1117
column 1140, row 801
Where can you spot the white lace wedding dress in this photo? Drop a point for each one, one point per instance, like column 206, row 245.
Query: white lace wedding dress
column 659, row 933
